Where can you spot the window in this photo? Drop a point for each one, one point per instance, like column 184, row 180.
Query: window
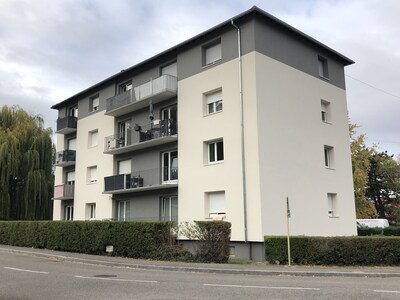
column 212, row 53
column 92, row 174
column 328, row 156
column 216, row 204
column 94, row 103
column 169, row 208
column 332, row 203
column 169, row 117
column 71, row 144
column 127, row 86
column 123, row 211
column 73, row 111
column 70, row 177
column 325, row 111
column 93, row 138
column 215, row 152
column 91, row 211
column 323, row 67
column 170, row 69
column 124, row 166
column 170, row 166
column 214, row 102
column 123, row 133
column 68, row 212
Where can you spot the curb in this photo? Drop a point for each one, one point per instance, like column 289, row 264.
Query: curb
column 205, row 270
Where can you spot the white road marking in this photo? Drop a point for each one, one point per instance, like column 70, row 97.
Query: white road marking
column 263, row 287
column 383, row 291
column 116, row 279
column 23, row 270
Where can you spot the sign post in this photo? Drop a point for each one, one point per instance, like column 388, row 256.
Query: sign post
column 288, row 229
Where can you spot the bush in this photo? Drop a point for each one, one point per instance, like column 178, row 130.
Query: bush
column 131, row 239
column 392, row 231
column 375, row 250
column 388, row 231
column 213, row 240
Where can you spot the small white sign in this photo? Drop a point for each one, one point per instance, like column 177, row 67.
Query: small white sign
column 109, row 249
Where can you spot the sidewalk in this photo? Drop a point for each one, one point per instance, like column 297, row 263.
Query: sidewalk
column 255, row 268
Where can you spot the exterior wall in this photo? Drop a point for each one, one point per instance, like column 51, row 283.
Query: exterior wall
column 196, row 176
column 291, row 146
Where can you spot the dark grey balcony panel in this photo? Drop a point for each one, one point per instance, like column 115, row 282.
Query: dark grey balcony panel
column 65, row 158
column 66, row 125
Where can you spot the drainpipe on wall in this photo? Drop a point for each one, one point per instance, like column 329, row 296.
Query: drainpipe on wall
column 242, row 138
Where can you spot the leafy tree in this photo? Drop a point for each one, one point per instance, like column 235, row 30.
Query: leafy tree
column 360, row 158
column 26, row 166
column 384, row 185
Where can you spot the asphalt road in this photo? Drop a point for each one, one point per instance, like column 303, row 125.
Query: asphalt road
column 32, row 277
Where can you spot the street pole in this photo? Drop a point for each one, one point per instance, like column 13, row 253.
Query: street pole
column 288, row 229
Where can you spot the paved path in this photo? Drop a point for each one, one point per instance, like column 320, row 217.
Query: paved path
column 256, row 268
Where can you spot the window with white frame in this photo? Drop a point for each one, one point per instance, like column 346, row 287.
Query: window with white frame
column 73, row 111
column 126, row 86
column 94, row 103
column 70, row 177
column 123, row 211
column 68, row 212
column 329, row 157
column 215, row 151
column 170, row 166
column 169, row 208
column 212, row 53
column 215, row 201
column 91, row 211
column 93, row 138
column 92, row 174
column 332, row 205
column 214, row 102
column 325, row 111
column 124, row 166
column 323, row 67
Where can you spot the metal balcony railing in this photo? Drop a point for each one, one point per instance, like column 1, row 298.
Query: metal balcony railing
column 65, row 158
column 136, row 134
column 157, row 89
column 141, row 179
column 64, row 191
column 67, row 124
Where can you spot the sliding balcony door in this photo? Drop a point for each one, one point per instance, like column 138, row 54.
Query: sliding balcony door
column 170, row 167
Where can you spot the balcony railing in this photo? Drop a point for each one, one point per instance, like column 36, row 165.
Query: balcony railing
column 64, row 192
column 160, row 132
column 66, row 125
column 157, row 90
column 65, row 158
column 141, row 180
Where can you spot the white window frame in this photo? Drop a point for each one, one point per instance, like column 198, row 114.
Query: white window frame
column 123, row 215
column 93, row 138
column 94, row 103
column 214, row 103
column 171, row 174
column 212, row 53
column 170, row 69
column 124, row 166
column 71, row 144
column 329, row 157
column 167, row 208
column 91, row 211
column 212, row 147
column 332, row 205
column 68, row 212
column 323, row 67
column 70, row 177
column 126, row 86
column 216, row 204
column 92, row 174
column 325, row 111
column 73, row 111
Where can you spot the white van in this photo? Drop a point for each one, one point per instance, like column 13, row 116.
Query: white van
column 380, row 223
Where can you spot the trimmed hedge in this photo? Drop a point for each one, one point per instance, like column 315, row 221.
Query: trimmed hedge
column 388, row 231
column 373, row 250
column 130, row 239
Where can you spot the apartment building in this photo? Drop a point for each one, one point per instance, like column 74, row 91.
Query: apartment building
column 225, row 125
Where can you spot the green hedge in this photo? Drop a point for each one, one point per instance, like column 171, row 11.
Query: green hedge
column 374, row 250
column 388, row 231
column 130, row 239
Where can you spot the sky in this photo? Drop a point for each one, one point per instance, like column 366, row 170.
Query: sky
column 51, row 50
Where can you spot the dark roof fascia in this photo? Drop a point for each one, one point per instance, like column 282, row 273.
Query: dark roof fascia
column 254, row 10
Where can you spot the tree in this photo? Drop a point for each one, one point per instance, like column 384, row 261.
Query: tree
column 26, row 166
column 384, row 185
column 360, row 158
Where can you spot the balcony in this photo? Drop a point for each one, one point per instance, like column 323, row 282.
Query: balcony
column 157, row 90
column 66, row 125
column 139, row 137
column 65, row 158
column 139, row 181
column 64, row 192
